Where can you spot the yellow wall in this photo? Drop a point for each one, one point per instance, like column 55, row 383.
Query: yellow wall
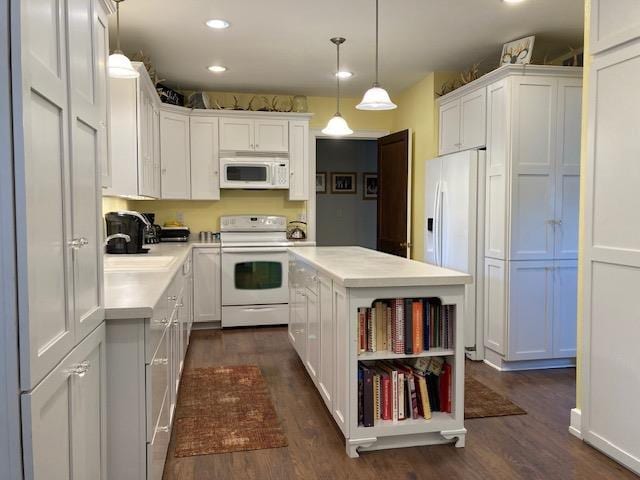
column 202, row 215
column 583, row 185
column 417, row 111
column 113, row 204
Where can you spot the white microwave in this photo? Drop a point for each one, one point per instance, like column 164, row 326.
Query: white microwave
column 254, row 172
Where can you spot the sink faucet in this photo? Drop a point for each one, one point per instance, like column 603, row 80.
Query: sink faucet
column 126, row 238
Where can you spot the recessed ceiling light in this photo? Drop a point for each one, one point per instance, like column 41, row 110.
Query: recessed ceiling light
column 217, row 68
column 343, row 74
column 513, row 1
column 218, row 23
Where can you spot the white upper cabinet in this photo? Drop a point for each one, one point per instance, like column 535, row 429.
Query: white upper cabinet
column 449, row 127
column 613, row 22
column 299, row 160
column 463, row 122
column 567, row 187
column 271, row 135
column 533, row 132
column 254, row 135
column 236, row 134
column 533, row 154
column 175, row 157
column 134, row 116
column 473, row 119
column 102, row 80
column 205, row 166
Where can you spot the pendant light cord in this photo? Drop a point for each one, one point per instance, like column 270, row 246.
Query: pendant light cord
column 377, row 48
column 338, row 78
column 118, row 26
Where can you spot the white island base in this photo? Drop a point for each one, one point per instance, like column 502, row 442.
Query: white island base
column 327, row 286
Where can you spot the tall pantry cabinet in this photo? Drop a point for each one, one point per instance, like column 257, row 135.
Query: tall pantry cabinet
column 610, row 411
column 60, row 97
column 531, row 230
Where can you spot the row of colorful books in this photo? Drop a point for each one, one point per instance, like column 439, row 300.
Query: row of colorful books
column 400, row 390
column 406, row 325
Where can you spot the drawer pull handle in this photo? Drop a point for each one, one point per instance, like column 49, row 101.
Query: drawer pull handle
column 164, row 429
column 160, row 361
column 79, row 369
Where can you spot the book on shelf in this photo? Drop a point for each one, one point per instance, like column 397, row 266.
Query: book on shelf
column 398, row 390
column 407, row 326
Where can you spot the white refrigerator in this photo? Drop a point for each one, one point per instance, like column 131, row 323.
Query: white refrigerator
column 454, row 231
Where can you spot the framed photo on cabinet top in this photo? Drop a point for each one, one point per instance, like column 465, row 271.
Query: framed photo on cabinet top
column 517, row 52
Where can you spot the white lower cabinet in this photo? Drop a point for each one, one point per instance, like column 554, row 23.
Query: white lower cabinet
column 530, row 309
column 313, row 334
column 64, row 417
column 146, row 357
column 207, row 302
column 340, row 410
column 326, row 373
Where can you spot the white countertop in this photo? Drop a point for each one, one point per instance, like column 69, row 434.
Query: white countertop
column 134, row 294
column 356, row 267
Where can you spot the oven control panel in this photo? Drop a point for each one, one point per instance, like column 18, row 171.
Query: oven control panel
column 249, row 223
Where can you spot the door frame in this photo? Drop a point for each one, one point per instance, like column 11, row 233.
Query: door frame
column 314, row 134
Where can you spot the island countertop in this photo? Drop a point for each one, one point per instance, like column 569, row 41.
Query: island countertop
column 357, row 267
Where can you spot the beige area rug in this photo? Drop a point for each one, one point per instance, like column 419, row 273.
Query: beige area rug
column 481, row 401
column 225, row 409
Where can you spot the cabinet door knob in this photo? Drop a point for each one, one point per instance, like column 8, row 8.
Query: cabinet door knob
column 74, row 244
column 164, row 429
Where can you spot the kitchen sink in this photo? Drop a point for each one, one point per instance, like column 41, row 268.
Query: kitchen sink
column 131, row 263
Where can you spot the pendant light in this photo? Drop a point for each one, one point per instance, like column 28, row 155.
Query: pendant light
column 337, row 126
column 119, row 65
column 376, row 98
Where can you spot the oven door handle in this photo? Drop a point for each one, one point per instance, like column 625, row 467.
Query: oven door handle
column 254, row 250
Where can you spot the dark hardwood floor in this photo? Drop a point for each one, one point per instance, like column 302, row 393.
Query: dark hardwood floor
column 532, row 446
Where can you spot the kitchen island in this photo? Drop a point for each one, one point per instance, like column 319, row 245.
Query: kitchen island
column 331, row 292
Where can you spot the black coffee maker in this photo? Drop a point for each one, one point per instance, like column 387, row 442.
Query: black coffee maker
column 126, row 232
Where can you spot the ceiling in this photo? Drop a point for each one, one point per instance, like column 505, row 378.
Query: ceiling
column 282, row 46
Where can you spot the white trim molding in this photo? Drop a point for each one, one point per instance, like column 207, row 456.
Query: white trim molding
column 575, row 428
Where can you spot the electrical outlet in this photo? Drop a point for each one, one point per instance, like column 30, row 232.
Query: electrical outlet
column 180, row 217
column 302, row 217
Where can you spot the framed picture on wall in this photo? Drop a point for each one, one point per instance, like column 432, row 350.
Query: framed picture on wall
column 344, row 182
column 321, row 182
column 370, row 186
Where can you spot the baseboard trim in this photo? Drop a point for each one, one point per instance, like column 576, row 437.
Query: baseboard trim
column 575, row 428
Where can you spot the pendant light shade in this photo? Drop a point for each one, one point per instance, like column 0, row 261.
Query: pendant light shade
column 119, row 65
column 337, row 126
column 376, row 98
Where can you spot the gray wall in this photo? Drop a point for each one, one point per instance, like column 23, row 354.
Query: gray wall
column 346, row 219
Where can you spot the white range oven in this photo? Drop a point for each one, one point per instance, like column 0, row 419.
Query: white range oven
column 254, row 172
column 254, row 270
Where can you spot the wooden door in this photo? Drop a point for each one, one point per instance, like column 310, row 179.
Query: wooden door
column 530, row 326
column 473, row 120
column 271, row 135
column 175, row 156
column 449, row 137
column 205, row 166
column 236, row 134
column 394, row 193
